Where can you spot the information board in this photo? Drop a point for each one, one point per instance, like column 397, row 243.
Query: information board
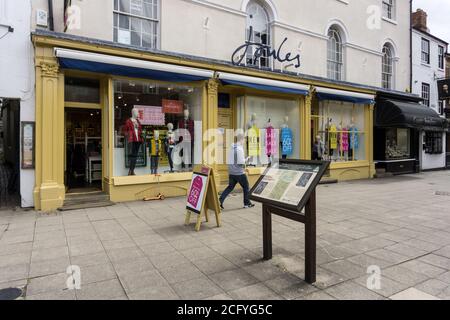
column 289, row 183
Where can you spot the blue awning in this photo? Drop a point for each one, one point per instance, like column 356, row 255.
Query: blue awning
column 344, row 96
column 263, row 84
column 133, row 68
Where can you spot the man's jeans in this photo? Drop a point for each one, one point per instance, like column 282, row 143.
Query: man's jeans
column 233, row 180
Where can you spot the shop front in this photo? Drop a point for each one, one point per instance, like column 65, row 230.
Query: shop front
column 133, row 124
column 409, row 137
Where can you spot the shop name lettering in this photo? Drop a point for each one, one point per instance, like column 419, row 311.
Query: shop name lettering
column 262, row 51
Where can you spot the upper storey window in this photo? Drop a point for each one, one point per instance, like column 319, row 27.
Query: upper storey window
column 258, row 31
column 136, row 22
column 335, row 54
column 389, row 9
column 387, row 67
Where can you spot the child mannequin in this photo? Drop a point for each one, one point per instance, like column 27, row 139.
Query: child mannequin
column 155, row 152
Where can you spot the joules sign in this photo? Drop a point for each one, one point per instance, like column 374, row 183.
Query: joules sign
column 262, row 51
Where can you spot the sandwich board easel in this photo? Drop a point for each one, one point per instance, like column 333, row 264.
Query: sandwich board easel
column 202, row 196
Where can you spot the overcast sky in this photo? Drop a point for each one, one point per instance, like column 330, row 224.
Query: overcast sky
column 438, row 16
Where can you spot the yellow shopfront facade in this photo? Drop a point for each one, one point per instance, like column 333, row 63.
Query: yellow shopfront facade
column 86, row 95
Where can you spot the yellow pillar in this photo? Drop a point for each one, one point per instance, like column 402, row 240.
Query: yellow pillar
column 49, row 190
column 372, row 170
column 210, row 124
column 305, row 124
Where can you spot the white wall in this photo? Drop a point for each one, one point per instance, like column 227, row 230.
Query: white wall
column 423, row 73
column 304, row 22
column 17, row 72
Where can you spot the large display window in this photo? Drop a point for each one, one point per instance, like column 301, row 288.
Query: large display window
column 338, row 132
column 157, row 128
column 272, row 128
column 398, row 144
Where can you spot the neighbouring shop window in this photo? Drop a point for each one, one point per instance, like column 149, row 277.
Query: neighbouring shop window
column 82, row 90
column 398, row 143
column 157, row 128
column 433, row 142
column 339, row 132
column 136, row 22
column 272, row 126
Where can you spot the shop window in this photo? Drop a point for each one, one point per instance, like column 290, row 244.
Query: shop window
column 82, row 90
column 433, row 142
column 136, row 22
column 157, row 128
column 339, row 132
column 398, row 144
column 335, row 54
column 258, row 31
column 387, row 67
column 272, row 128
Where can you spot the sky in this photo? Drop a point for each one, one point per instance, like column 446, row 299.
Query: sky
column 438, row 16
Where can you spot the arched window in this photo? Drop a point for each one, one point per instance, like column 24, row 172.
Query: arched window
column 387, row 71
column 258, row 31
column 335, row 54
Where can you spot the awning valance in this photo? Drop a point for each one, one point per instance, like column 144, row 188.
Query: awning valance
column 403, row 114
column 263, row 84
column 135, row 68
column 344, row 96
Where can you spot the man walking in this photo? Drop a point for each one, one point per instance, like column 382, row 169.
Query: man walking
column 237, row 172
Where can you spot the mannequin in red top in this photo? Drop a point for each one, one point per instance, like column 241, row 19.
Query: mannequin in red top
column 133, row 134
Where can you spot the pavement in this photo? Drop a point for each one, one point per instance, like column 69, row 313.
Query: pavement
column 377, row 239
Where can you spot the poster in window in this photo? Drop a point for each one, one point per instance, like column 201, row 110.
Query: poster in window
column 27, row 145
column 172, row 106
column 151, row 116
column 124, row 36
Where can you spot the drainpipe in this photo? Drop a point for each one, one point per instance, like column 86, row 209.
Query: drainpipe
column 410, row 46
column 50, row 15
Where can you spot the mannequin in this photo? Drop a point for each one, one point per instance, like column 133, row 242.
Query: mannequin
column 133, row 134
column 354, row 140
column 270, row 141
column 318, row 149
column 155, row 152
column 170, row 145
column 286, row 139
column 253, row 138
column 187, row 136
column 333, row 142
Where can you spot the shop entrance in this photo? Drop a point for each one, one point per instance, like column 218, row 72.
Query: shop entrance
column 9, row 153
column 83, row 170
column 225, row 123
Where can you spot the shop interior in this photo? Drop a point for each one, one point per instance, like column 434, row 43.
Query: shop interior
column 83, row 150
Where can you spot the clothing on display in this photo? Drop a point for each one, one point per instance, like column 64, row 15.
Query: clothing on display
column 272, row 142
column 170, row 146
column 253, row 141
column 354, row 138
column 286, row 142
column 333, row 137
column 187, row 137
column 344, row 140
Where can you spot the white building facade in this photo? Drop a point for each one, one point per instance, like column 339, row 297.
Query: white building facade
column 17, row 75
column 428, row 66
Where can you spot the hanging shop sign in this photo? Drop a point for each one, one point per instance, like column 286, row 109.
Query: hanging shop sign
column 202, row 196
column 151, row 116
column 444, row 89
column 258, row 50
column 28, row 145
column 172, row 106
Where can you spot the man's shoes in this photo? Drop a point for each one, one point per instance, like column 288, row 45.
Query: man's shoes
column 221, row 206
column 248, row 206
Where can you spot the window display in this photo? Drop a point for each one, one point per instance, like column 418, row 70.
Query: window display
column 272, row 129
column 339, row 132
column 397, row 144
column 433, row 142
column 157, row 128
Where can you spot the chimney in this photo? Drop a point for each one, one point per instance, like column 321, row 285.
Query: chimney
column 419, row 20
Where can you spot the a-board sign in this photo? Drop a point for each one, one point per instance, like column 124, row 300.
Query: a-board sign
column 289, row 184
column 202, row 196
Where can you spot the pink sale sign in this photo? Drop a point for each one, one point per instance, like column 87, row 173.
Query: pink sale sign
column 195, row 192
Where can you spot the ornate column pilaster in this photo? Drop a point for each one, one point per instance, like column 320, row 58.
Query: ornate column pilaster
column 212, row 122
column 49, row 191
